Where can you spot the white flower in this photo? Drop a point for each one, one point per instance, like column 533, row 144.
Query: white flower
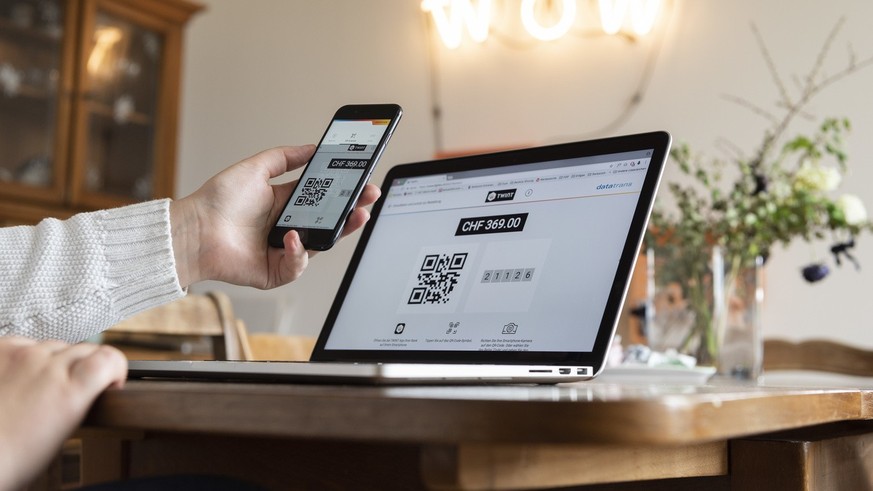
column 853, row 209
column 814, row 177
column 780, row 189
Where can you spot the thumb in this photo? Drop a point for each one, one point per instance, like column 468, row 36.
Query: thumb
column 289, row 262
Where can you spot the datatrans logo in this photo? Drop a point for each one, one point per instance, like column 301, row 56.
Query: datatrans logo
column 504, row 195
column 617, row 185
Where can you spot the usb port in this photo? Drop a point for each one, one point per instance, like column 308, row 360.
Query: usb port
column 564, row 371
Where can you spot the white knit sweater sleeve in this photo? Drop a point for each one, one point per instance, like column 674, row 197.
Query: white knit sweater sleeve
column 71, row 279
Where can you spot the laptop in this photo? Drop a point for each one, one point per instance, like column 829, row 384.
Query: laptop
column 507, row 267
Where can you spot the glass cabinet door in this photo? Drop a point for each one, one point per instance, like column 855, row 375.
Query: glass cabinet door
column 35, row 81
column 117, row 141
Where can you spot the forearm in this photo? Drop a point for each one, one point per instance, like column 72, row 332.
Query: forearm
column 71, row 279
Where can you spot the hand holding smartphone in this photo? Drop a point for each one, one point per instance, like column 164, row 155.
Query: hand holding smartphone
column 333, row 179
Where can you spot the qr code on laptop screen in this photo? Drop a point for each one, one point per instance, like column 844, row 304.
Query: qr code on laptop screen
column 438, row 276
column 313, row 191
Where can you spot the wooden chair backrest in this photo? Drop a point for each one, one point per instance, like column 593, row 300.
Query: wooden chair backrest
column 278, row 347
column 208, row 317
column 818, row 355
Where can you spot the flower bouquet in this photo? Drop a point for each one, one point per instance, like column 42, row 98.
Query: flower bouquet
column 739, row 208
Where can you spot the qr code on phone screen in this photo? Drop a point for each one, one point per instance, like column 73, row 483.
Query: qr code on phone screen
column 437, row 278
column 313, row 191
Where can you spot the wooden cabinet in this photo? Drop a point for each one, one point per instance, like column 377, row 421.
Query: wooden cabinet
column 89, row 98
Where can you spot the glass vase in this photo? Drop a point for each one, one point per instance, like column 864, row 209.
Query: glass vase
column 706, row 304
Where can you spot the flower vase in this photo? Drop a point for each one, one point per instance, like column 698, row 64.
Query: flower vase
column 706, row 304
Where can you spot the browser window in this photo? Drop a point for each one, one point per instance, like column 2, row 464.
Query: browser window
column 502, row 259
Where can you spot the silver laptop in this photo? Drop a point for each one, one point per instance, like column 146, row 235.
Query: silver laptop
column 508, row 267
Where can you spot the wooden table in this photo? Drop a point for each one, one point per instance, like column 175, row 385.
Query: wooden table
column 723, row 435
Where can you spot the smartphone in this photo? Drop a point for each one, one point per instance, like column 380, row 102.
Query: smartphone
column 335, row 176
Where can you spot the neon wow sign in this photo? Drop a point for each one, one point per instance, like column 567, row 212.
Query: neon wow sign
column 452, row 17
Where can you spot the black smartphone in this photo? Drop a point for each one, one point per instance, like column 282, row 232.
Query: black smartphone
column 335, row 176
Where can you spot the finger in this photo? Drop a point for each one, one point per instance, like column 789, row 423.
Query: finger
column 295, row 157
column 54, row 345
column 16, row 341
column 369, row 195
column 360, row 216
column 281, row 194
column 357, row 219
column 102, row 367
column 294, row 260
column 279, row 160
column 70, row 353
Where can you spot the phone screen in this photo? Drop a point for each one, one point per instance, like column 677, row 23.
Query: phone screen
column 333, row 174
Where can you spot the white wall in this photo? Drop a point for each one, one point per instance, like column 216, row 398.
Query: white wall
column 261, row 73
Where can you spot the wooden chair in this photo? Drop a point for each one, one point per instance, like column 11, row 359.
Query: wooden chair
column 818, row 355
column 193, row 327
column 273, row 347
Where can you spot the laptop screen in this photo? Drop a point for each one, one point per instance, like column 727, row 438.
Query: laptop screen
column 475, row 256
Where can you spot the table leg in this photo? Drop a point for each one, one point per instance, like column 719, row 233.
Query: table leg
column 831, row 457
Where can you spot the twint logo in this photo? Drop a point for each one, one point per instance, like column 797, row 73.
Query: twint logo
column 504, row 195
